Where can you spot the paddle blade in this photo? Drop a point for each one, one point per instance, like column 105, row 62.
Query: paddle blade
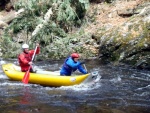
column 26, row 77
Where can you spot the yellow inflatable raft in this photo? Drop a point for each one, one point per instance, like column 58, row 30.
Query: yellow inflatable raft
column 45, row 78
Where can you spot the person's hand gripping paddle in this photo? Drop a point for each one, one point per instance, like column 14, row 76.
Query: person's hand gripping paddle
column 27, row 74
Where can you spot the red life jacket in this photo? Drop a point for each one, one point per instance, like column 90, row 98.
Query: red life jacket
column 25, row 58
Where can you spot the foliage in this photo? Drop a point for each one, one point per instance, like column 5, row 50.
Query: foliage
column 9, row 48
column 62, row 47
column 65, row 15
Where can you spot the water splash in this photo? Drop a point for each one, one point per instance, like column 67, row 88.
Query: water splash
column 92, row 82
column 146, row 87
column 2, row 61
column 3, row 76
column 11, row 84
column 81, row 87
column 115, row 80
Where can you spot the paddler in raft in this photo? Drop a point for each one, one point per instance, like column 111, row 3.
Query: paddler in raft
column 72, row 64
column 25, row 58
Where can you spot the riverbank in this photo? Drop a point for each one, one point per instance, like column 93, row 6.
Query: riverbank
column 116, row 32
column 122, row 30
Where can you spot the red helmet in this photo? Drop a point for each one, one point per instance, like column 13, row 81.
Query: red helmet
column 75, row 55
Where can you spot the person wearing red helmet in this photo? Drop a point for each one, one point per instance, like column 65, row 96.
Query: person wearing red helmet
column 71, row 64
column 25, row 57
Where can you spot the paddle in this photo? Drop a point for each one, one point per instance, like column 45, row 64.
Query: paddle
column 85, row 67
column 27, row 74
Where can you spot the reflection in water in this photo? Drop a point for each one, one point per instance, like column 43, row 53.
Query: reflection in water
column 25, row 99
column 109, row 89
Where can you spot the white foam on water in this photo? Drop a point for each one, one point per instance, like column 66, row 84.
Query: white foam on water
column 143, row 94
column 139, row 78
column 12, row 84
column 2, row 62
column 80, row 87
column 3, row 76
column 115, row 80
column 94, row 83
column 141, row 88
column 85, row 86
column 1, row 71
column 146, row 74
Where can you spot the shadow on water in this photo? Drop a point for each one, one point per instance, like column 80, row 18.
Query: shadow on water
column 112, row 90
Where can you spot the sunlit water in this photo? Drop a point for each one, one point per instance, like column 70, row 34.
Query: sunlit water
column 113, row 90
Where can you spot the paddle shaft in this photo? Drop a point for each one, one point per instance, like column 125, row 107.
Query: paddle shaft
column 34, row 53
column 85, row 67
column 27, row 74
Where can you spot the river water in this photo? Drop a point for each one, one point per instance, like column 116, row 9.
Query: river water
column 115, row 89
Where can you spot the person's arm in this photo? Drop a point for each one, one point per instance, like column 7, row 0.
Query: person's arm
column 82, row 70
column 23, row 59
column 72, row 64
column 37, row 50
